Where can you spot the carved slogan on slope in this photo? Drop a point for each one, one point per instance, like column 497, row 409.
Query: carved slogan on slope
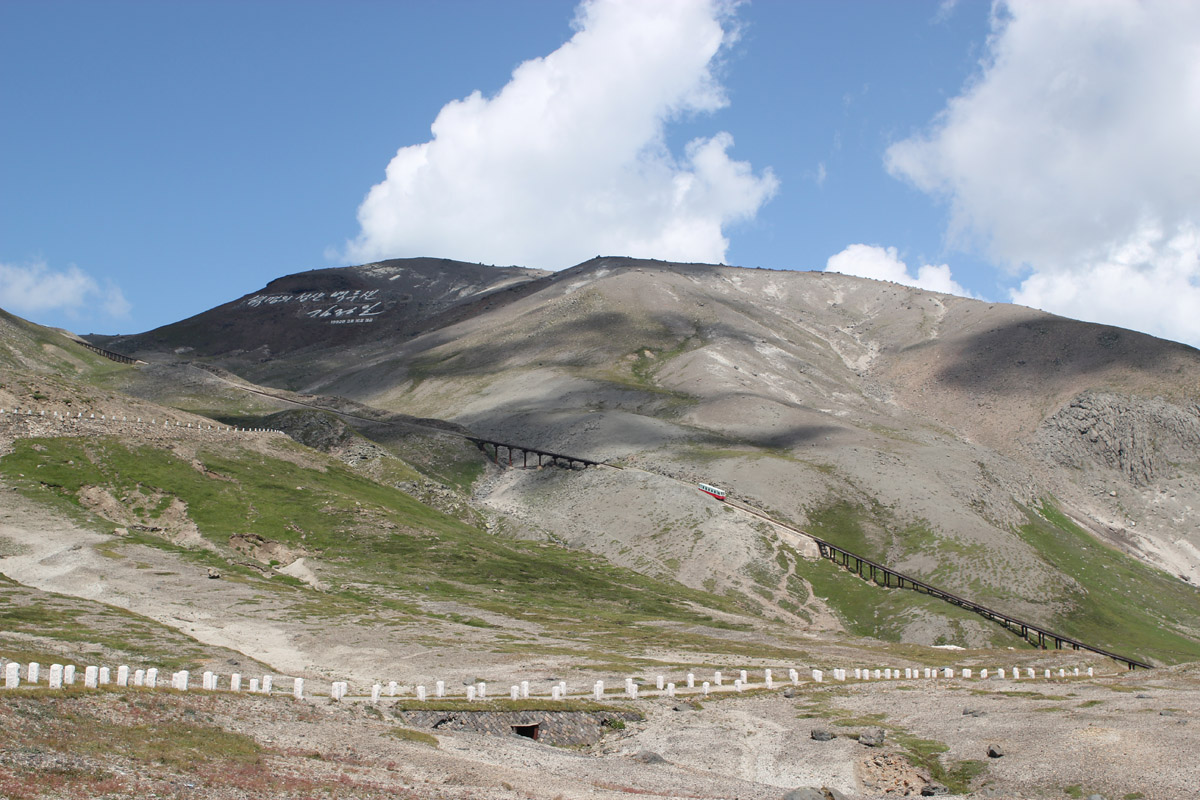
column 345, row 307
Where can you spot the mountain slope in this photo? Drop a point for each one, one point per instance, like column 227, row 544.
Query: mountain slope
column 920, row 428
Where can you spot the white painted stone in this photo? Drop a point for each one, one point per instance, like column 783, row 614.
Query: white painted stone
column 206, row 680
column 524, row 690
column 12, row 675
column 562, row 689
column 670, row 690
column 858, row 674
column 392, row 688
column 1091, row 674
column 691, row 680
column 793, row 676
column 717, row 678
column 439, row 689
column 1047, row 673
column 598, row 691
column 152, row 678
column 105, row 676
column 421, row 693
column 139, row 677
column 908, row 673
column 818, row 675
column 376, row 690
column 298, row 688
column 705, row 687
column 471, row 693
column 966, row 673
column 767, row 679
column 737, row 684
column 254, row 686
column 235, row 682
column 1000, row 673
column 122, row 675
column 514, row 693
column 1029, row 672
column 659, row 682
column 1077, row 672
column 267, row 682
column 633, row 691
column 744, row 676
column 1062, row 673
column 948, row 672
column 983, row 673
column 928, row 672
column 56, row 673
column 89, row 677
column 69, row 674
column 481, row 690
column 33, row 672
column 555, row 693
column 183, row 678
column 887, row 674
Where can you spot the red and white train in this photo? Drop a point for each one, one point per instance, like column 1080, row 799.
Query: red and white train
column 714, row 491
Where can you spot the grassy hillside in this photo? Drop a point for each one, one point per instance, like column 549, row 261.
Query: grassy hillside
column 378, row 550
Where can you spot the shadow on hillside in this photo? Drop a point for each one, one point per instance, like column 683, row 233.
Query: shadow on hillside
column 1053, row 352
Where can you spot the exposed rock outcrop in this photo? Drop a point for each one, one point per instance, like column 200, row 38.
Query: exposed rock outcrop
column 1143, row 439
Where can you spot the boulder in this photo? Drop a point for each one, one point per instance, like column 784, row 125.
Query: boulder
column 805, row 793
column 823, row 735
column 872, row 737
column 995, row 751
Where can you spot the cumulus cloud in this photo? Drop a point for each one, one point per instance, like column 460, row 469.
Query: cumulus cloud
column 570, row 159
column 869, row 261
column 1150, row 283
column 1073, row 148
column 35, row 288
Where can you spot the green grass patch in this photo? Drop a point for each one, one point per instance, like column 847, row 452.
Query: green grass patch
column 418, row 737
column 1120, row 604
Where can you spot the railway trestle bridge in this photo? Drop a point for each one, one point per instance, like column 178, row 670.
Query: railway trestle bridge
column 555, row 459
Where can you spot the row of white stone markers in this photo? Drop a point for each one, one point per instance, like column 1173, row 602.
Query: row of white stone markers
column 137, row 421
column 60, row 676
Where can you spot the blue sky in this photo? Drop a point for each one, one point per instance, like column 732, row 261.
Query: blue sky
column 161, row 158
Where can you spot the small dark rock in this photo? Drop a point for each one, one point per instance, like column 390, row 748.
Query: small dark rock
column 789, row 692
column 805, row 793
column 933, row 790
column 1166, row 712
column 649, row 757
column 214, row 573
column 683, row 707
column 973, row 712
column 995, row 751
column 872, row 737
column 1142, row 696
column 822, row 735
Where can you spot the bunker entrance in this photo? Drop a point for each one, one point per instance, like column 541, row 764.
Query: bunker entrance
column 528, row 731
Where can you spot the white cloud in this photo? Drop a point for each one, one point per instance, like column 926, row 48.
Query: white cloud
column 34, row 288
column 869, row 261
column 1150, row 283
column 1076, row 143
column 569, row 159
